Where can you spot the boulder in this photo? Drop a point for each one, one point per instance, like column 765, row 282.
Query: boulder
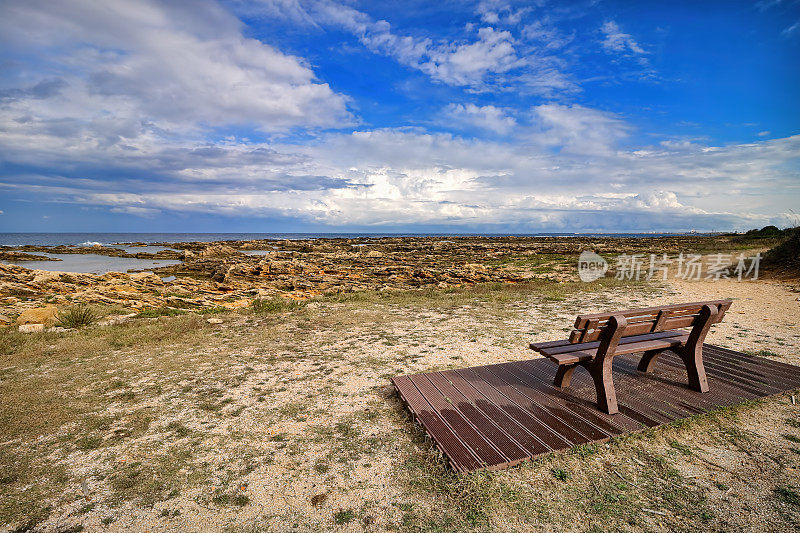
column 218, row 250
column 30, row 328
column 47, row 315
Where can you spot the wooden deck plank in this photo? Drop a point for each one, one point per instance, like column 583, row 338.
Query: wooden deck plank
column 497, row 415
column 466, row 432
column 460, row 456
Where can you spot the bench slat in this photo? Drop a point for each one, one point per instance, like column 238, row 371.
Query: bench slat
column 631, row 347
column 652, row 312
column 649, row 319
column 568, row 347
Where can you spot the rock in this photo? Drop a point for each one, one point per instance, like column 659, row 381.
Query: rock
column 4, row 320
column 47, row 315
column 31, row 328
column 43, row 276
column 238, row 304
column 374, row 254
column 146, row 277
column 118, row 319
column 218, row 250
column 214, row 321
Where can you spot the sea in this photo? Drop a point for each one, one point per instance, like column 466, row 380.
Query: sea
column 100, row 264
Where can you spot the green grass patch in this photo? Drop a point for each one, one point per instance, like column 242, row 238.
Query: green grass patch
column 275, row 305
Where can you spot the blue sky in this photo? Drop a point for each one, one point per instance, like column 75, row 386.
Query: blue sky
column 291, row 115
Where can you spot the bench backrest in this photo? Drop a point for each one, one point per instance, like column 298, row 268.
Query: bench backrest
column 646, row 320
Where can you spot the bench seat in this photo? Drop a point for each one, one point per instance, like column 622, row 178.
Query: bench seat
column 587, row 354
column 564, row 353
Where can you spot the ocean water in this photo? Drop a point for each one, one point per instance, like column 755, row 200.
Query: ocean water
column 100, row 264
column 92, row 263
column 89, row 239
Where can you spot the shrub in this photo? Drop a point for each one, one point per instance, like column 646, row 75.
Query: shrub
column 787, row 253
column 75, row 317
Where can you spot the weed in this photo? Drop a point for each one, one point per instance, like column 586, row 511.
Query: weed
column 560, row 474
column 274, row 305
column 77, row 316
column 788, row 495
column 684, row 449
column 159, row 312
column 343, row 516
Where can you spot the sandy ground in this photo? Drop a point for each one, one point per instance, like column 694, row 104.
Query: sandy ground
column 289, row 423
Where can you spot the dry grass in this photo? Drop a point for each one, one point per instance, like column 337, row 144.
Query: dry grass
column 274, row 420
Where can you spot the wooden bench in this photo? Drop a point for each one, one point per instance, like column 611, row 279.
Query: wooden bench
column 597, row 338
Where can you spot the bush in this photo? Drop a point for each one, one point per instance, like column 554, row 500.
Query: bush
column 274, row 305
column 767, row 232
column 787, row 253
column 75, row 317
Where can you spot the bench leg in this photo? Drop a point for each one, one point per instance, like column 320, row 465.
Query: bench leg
column 693, row 359
column 604, row 386
column 564, row 375
column 648, row 361
column 692, row 351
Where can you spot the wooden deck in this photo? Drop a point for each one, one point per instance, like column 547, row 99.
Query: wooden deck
column 496, row 416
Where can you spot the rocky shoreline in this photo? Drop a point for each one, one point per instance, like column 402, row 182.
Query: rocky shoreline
column 224, row 275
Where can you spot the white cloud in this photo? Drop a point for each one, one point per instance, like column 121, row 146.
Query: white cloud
column 466, row 63
column 126, row 67
column 549, row 178
column 763, row 133
column 487, row 117
column 499, row 12
column 614, row 40
column 578, row 129
column 790, row 30
column 488, row 58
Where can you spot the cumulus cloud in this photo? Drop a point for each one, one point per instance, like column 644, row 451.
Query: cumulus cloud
column 488, row 117
column 130, row 67
column 487, row 58
column 469, row 63
column 390, row 177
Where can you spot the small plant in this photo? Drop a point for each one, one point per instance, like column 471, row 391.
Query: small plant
column 343, row 516
column 161, row 311
column 560, row 474
column 77, row 316
column 793, row 422
column 788, row 495
column 684, row 449
column 274, row 305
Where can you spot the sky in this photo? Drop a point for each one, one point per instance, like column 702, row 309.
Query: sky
column 455, row 117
